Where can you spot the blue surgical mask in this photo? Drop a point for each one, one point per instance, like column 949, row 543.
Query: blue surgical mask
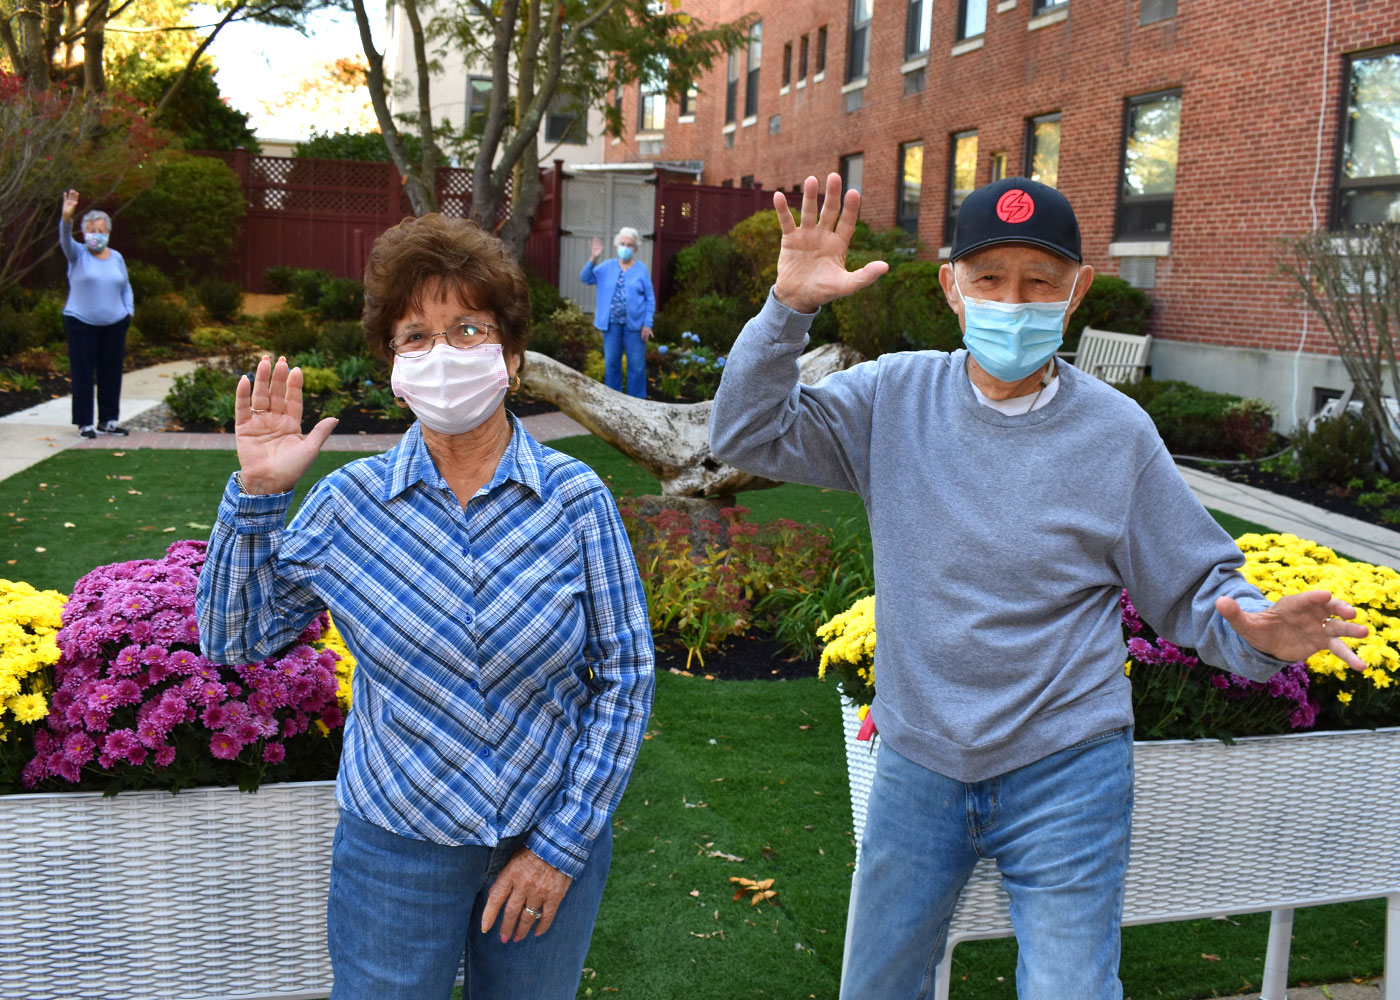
column 1010, row 340
column 96, row 242
column 625, row 253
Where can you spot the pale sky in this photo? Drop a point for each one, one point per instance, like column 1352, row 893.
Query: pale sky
column 258, row 65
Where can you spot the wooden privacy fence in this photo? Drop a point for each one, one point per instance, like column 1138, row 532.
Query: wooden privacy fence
column 686, row 211
column 326, row 214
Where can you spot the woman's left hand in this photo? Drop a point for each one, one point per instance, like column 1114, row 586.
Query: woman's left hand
column 646, row 333
column 526, row 880
column 1297, row 626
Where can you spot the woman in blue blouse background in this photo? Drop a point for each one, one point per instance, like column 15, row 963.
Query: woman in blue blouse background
column 95, row 318
column 485, row 585
column 624, row 310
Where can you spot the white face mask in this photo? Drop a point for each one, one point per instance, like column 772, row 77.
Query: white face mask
column 452, row 389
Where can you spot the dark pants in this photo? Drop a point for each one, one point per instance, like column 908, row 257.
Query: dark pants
column 95, row 353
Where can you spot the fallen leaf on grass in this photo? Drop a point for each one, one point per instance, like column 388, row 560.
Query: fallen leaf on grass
column 167, row 529
column 724, row 855
column 761, row 890
column 69, row 524
column 1210, row 958
column 804, row 727
column 134, row 492
column 196, row 524
column 695, row 892
column 119, row 454
column 40, row 548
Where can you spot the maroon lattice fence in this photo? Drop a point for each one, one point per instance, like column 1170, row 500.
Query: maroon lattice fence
column 326, row 213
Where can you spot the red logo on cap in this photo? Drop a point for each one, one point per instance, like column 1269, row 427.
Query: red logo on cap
column 1015, row 206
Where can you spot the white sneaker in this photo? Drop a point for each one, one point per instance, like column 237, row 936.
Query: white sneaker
column 87, row 432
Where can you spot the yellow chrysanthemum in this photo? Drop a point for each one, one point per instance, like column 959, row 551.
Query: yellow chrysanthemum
column 344, row 669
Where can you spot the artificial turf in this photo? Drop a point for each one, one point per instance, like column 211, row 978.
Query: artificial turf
column 749, row 769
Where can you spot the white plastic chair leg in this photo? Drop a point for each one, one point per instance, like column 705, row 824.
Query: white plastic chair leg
column 943, row 975
column 1392, row 947
column 1275, row 986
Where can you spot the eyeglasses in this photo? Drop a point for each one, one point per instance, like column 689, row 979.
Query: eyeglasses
column 417, row 343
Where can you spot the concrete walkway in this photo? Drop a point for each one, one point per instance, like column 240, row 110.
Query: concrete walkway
column 40, row 431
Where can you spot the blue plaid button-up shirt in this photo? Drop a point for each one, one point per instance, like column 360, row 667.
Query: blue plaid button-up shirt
column 504, row 658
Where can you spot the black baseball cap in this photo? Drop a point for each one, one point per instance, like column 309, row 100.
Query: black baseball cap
column 1016, row 210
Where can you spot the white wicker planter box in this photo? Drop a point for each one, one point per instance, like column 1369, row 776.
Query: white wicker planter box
column 153, row 896
column 1272, row 823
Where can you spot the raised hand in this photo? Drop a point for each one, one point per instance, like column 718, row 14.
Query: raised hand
column 70, row 204
column 812, row 258
column 596, row 249
column 272, row 453
column 1298, row 626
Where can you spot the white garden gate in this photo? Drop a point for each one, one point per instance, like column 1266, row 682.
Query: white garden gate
column 599, row 203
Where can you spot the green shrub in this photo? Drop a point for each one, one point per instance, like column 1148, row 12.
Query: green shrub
column 343, row 338
column 713, row 265
column 318, row 380
column 279, row 279
column 1249, row 426
column 1336, row 450
column 189, row 219
column 361, row 146
column 311, row 358
column 1191, row 420
column 576, row 335
column 222, row 300
column 545, row 298
column 1110, row 304
column 47, row 317
column 194, row 398
column 340, row 299
column 903, row 310
column 212, row 339
column 165, row 320
column 18, row 332
column 716, row 319
column 593, row 365
column 354, row 369
column 305, row 286
column 757, row 239
column 288, row 332
column 147, row 280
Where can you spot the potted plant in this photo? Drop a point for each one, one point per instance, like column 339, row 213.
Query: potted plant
column 209, row 892
column 1235, row 775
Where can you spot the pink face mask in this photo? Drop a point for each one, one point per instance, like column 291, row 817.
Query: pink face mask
column 452, row 390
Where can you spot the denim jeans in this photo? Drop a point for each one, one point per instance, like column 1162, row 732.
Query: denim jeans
column 1059, row 831
column 95, row 354
column 402, row 913
column 615, row 341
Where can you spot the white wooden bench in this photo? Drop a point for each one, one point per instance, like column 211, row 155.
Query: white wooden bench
column 1113, row 357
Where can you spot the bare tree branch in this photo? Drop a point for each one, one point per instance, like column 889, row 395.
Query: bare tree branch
column 194, row 60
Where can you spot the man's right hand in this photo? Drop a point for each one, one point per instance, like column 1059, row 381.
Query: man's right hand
column 272, row 454
column 812, row 259
column 70, row 204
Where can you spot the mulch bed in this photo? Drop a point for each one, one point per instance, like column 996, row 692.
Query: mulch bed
column 358, row 420
column 55, row 384
column 1336, row 500
column 750, row 658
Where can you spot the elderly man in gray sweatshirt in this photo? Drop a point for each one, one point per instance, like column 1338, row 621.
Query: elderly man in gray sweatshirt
column 1011, row 497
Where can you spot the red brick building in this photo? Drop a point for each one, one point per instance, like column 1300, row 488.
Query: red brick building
column 1188, row 134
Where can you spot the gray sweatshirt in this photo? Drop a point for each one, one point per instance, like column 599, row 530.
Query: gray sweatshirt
column 1001, row 542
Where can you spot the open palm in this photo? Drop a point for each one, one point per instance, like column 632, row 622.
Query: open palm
column 272, row 453
column 812, row 257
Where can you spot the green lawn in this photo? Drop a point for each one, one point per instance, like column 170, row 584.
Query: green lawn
column 749, row 769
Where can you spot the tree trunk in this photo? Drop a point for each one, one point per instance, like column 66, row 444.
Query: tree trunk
column 669, row 440
column 33, row 65
column 94, row 76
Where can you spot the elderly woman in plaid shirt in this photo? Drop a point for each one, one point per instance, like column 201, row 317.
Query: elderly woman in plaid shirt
column 487, row 589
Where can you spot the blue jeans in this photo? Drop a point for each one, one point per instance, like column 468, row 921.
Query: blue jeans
column 615, row 340
column 1059, row 831
column 402, row 913
column 95, row 354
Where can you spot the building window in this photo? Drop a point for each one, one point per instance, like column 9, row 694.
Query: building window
column 1152, row 124
column 962, row 177
column 775, row 122
column 802, row 59
column 1368, row 182
column 852, row 171
column 972, row 18
column 917, row 27
column 1043, row 150
column 731, row 88
column 746, row 181
column 564, row 123
column 755, row 58
column 1041, row 6
column 651, row 105
column 911, row 179
column 858, row 48
column 821, row 51
column 998, row 168
column 478, row 102
column 787, row 64
column 688, row 99
column 1156, row 10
